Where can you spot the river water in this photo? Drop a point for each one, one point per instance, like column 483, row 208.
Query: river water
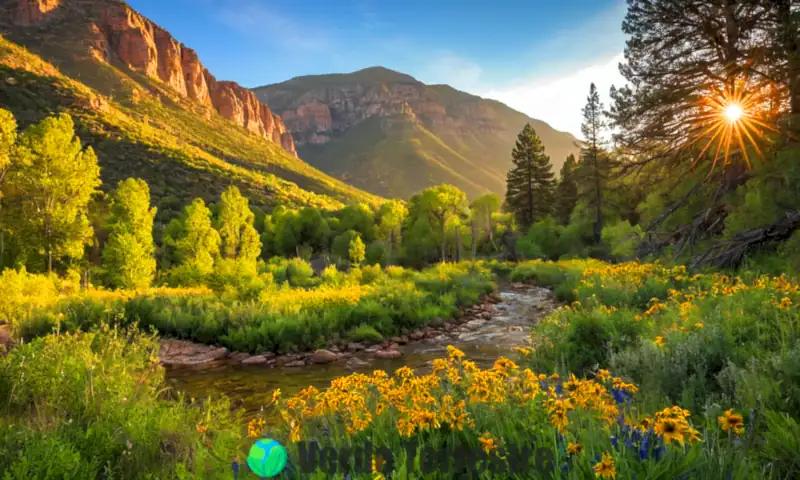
column 251, row 386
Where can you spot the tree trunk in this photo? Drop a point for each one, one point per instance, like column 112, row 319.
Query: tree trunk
column 474, row 240
column 791, row 47
column 444, row 242
column 490, row 233
column 458, row 244
column 598, row 220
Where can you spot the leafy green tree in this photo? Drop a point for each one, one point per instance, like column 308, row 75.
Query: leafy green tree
column 239, row 239
column 199, row 245
column 391, row 216
column 566, row 191
column 50, row 188
column 483, row 210
column 128, row 256
column 438, row 205
column 594, row 166
column 357, row 250
column 529, row 183
column 360, row 218
column 8, row 138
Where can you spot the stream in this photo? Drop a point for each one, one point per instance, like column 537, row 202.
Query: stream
column 251, row 386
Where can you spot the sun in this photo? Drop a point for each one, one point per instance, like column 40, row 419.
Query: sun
column 733, row 112
column 729, row 122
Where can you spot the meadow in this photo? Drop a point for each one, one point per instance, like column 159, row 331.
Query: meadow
column 647, row 371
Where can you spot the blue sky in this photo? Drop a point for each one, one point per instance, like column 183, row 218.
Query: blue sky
column 537, row 56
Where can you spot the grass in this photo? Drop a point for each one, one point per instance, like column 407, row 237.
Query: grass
column 262, row 316
column 181, row 152
column 649, row 372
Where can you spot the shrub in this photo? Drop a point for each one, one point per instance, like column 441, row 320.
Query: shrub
column 621, row 239
column 365, row 333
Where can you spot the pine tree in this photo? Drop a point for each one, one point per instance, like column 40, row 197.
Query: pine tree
column 49, row 190
column 593, row 170
column 566, row 195
column 128, row 256
column 199, row 246
column 240, row 240
column 530, row 181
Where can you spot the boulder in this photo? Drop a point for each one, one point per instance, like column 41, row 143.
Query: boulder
column 355, row 346
column 255, row 360
column 416, row 335
column 296, row 363
column 388, row 354
column 182, row 352
column 322, row 356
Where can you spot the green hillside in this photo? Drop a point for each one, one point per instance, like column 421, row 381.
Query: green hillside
column 447, row 135
column 138, row 127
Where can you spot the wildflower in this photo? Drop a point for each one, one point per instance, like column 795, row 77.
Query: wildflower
column 487, row 442
column 454, row 353
column 659, row 341
column 255, row 426
column 603, row 375
column 731, row 421
column 605, row 468
column 698, row 325
column 201, row 428
column 671, row 429
column 523, row 350
column 786, row 302
column 276, row 395
column 574, row 448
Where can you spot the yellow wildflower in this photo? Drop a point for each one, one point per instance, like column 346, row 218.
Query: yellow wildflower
column 574, row 448
column 659, row 341
column 605, row 468
column 487, row 442
column 731, row 421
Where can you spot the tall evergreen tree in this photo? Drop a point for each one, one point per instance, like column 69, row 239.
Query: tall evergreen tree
column 240, row 240
column 593, row 170
column 128, row 256
column 199, row 246
column 530, row 181
column 49, row 190
column 566, row 191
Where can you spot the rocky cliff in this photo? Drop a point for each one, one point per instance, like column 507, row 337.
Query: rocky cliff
column 391, row 134
column 118, row 33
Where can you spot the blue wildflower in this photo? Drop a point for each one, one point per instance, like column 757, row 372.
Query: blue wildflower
column 619, row 395
column 559, row 389
column 614, row 441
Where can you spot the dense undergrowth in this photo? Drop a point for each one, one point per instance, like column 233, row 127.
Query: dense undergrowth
column 646, row 372
column 296, row 312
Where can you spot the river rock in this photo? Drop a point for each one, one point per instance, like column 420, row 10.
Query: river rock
column 296, row 363
column 182, row 352
column 355, row 362
column 255, row 360
column 355, row 346
column 416, row 335
column 388, row 354
column 239, row 356
column 395, row 340
column 474, row 324
column 403, row 340
column 372, row 349
column 323, row 356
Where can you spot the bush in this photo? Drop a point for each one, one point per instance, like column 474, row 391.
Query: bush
column 622, row 239
column 543, row 240
column 365, row 333
column 377, row 254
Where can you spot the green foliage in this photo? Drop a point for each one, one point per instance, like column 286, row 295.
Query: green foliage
column 8, row 138
column 484, row 209
column 566, row 194
column 622, row 239
column 365, row 333
column 530, row 184
column 356, row 251
column 377, row 254
column 101, row 395
column 543, row 240
column 435, row 208
column 198, row 244
column 48, row 192
column 240, row 240
column 128, row 256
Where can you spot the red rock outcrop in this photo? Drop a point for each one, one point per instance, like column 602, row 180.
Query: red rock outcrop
column 31, row 12
column 122, row 34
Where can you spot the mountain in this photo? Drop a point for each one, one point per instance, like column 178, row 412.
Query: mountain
column 390, row 134
column 149, row 107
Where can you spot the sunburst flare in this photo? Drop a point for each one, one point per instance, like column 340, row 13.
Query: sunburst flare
column 731, row 119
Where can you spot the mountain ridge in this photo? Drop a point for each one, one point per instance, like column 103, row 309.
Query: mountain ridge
column 416, row 121
column 60, row 60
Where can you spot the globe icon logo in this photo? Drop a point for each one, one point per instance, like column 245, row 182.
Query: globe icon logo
column 267, row 458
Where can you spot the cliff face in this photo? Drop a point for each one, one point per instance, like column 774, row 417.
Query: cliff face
column 123, row 34
column 391, row 134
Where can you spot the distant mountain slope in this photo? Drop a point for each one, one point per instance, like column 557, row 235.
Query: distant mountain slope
column 149, row 108
column 387, row 133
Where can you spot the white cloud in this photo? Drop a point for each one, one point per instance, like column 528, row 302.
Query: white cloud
column 452, row 69
column 559, row 100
